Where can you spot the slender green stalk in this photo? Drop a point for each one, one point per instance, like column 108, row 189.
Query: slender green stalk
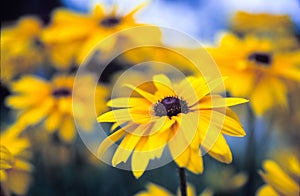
column 182, row 178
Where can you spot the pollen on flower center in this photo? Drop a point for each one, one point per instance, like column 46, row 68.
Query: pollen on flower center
column 110, row 21
column 170, row 106
column 61, row 92
column 261, row 58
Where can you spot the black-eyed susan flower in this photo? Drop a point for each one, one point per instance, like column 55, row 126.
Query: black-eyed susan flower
column 256, row 71
column 166, row 54
column 156, row 190
column 21, row 48
column 244, row 22
column 280, row 181
column 224, row 179
column 40, row 100
column 180, row 117
column 279, row 28
column 76, row 34
column 15, row 170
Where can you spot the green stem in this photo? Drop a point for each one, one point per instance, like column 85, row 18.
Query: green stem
column 182, row 181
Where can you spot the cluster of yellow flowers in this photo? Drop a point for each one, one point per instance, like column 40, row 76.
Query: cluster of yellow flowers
column 186, row 118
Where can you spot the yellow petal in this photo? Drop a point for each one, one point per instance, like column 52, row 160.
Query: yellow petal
column 3, row 176
column 23, row 165
column 195, row 164
column 30, row 84
column 128, row 143
column 35, row 115
column 6, row 158
column 266, row 191
column 163, row 86
column 145, row 94
column 139, row 163
column 110, row 140
column 187, row 90
column 154, row 190
column 128, row 102
column 161, row 133
column 186, row 129
column 226, row 124
column 215, row 101
column 264, row 98
column 135, row 10
column 67, row 130
column 278, row 179
column 142, row 155
column 123, row 115
column 163, row 123
column 53, row 121
column 18, row 181
column 219, row 149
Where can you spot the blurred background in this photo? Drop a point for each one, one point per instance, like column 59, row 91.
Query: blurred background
column 69, row 168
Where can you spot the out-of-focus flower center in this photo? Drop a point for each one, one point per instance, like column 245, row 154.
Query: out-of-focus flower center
column 110, row 21
column 170, row 106
column 38, row 43
column 261, row 58
column 61, row 92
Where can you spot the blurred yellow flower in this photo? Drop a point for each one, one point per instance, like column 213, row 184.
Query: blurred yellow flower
column 256, row 71
column 156, row 190
column 74, row 34
column 15, row 171
column 21, row 49
column 181, row 58
column 181, row 116
column 244, row 22
column 279, row 28
column 280, row 182
column 37, row 99
column 224, row 179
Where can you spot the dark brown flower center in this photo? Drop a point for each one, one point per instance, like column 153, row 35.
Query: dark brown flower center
column 261, row 58
column 110, row 21
column 170, row 106
column 61, row 92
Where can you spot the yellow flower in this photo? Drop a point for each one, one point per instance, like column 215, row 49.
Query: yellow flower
column 279, row 28
column 21, row 50
column 156, row 190
column 179, row 57
column 181, row 117
column 38, row 100
column 15, row 171
column 254, row 67
column 76, row 34
column 225, row 179
column 280, row 182
column 244, row 22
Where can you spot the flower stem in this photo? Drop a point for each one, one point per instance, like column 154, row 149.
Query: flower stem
column 182, row 181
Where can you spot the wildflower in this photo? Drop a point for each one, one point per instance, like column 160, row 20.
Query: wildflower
column 21, row 49
column 244, row 22
column 167, row 54
column 37, row 99
column 279, row 28
column 280, row 182
column 253, row 67
column 78, row 33
column 225, row 179
column 154, row 190
column 179, row 116
column 15, row 171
